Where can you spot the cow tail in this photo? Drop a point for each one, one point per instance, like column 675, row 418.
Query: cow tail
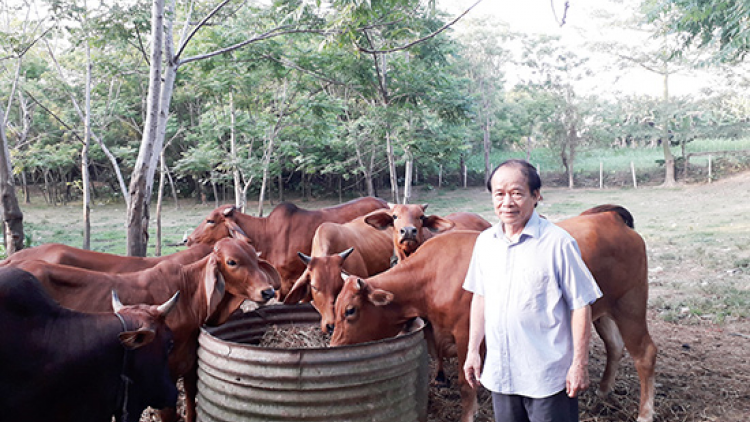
column 626, row 216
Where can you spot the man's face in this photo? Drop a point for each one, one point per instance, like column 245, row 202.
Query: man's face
column 512, row 200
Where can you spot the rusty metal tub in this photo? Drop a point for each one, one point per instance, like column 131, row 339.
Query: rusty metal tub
column 239, row 381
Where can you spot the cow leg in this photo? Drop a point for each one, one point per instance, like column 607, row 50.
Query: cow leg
column 168, row 414
column 614, row 345
column 634, row 332
column 190, row 382
column 432, row 348
column 469, row 404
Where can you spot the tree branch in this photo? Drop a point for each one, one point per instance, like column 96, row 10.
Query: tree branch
column 53, row 116
column 184, row 43
column 425, row 38
column 265, row 36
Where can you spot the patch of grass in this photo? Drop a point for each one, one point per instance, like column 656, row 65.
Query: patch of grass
column 713, row 302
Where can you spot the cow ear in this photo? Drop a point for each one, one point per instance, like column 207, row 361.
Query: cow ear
column 273, row 276
column 424, row 207
column 380, row 297
column 214, row 285
column 135, row 339
column 236, row 231
column 438, row 224
column 379, row 219
column 300, row 291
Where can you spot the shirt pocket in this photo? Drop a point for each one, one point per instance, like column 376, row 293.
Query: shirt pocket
column 536, row 289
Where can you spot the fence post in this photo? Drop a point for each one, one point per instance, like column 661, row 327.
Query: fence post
column 601, row 175
column 632, row 170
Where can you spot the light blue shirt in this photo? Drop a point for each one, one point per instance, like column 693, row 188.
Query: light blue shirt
column 529, row 289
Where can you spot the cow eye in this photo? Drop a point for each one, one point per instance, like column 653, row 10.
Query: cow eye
column 231, row 262
column 209, row 221
column 395, row 217
column 314, row 287
column 350, row 311
column 422, row 217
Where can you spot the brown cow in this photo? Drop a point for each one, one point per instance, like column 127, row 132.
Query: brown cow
column 56, row 253
column 354, row 248
column 429, row 285
column 287, row 230
column 411, row 227
column 211, row 289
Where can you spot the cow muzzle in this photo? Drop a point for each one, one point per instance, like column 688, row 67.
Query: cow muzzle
column 408, row 234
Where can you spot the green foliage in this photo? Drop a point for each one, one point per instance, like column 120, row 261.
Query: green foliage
column 723, row 23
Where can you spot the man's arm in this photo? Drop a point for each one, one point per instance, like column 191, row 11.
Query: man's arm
column 473, row 363
column 577, row 380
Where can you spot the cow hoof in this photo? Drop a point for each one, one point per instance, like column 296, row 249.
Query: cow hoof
column 441, row 381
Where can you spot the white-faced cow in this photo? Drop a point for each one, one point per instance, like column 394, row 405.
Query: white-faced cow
column 411, row 227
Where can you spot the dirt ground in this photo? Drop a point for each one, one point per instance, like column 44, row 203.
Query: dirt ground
column 698, row 241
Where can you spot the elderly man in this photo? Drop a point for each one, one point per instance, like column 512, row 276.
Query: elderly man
column 531, row 305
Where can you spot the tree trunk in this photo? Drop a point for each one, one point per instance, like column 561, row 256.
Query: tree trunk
column 391, row 166
column 408, row 177
column 239, row 199
column 138, row 212
column 159, row 201
column 26, row 190
column 85, row 155
column 12, row 215
column 266, row 165
column 216, row 192
column 487, row 150
column 669, row 177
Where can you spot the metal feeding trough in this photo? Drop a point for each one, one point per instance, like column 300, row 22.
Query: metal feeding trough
column 240, row 381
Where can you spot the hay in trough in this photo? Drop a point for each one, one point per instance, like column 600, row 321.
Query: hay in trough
column 295, row 337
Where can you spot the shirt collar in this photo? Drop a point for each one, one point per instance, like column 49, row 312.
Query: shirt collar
column 532, row 228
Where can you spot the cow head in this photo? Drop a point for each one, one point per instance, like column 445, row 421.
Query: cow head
column 321, row 282
column 364, row 313
column 234, row 265
column 408, row 222
column 148, row 341
column 220, row 223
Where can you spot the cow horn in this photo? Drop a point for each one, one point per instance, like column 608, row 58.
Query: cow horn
column 228, row 211
column 166, row 307
column 346, row 253
column 360, row 284
column 306, row 259
column 116, row 304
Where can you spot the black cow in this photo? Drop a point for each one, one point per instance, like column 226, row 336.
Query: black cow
column 61, row 365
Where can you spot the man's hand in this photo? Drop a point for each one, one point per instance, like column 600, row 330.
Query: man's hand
column 577, row 380
column 472, row 369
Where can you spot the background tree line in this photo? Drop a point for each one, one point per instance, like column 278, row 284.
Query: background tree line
column 232, row 99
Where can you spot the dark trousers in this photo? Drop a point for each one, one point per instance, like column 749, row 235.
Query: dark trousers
column 556, row 408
